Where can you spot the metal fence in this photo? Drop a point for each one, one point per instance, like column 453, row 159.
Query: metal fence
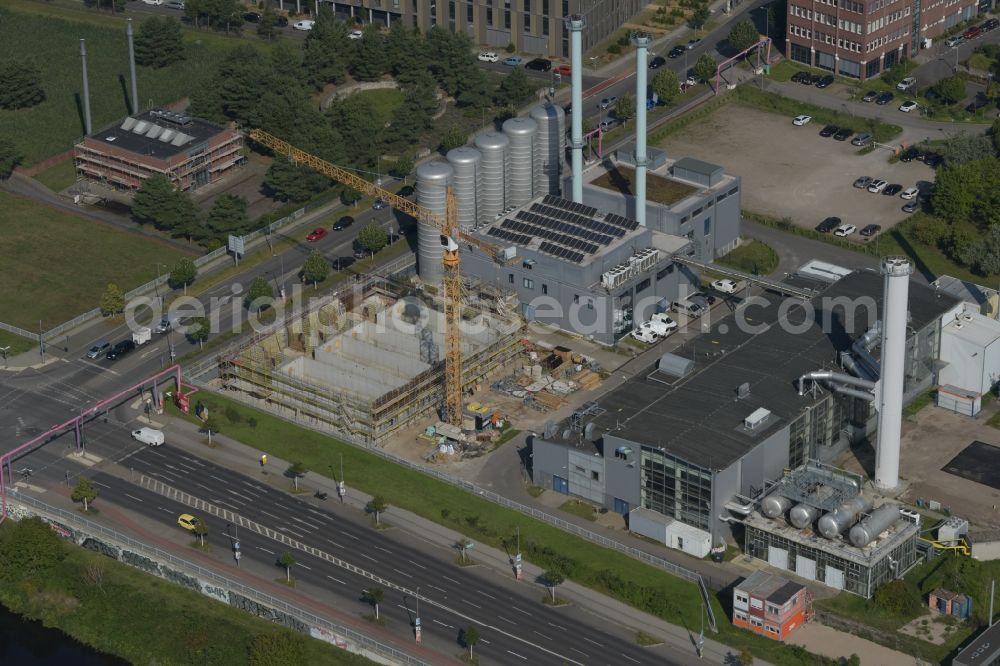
column 207, row 575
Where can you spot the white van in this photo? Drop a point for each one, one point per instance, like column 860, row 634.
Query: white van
column 149, row 436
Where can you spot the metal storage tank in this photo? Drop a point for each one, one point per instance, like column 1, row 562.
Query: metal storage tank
column 835, row 522
column 465, row 185
column 549, row 144
column 802, row 515
column 492, row 174
column 879, row 521
column 520, row 159
column 433, row 179
column 775, row 505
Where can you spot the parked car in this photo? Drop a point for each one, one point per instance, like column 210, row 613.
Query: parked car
column 343, row 223
column 149, row 436
column 972, row 33
column 843, row 134
column 564, row 70
column 892, row 190
column 608, row 102
column 187, row 521
column 98, row 349
column 676, row 51
column 539, row 65
column 828, row 225
column 870, row 230
column 910, row 154
column 992, row 24
column 657, row 62
column 356, row 34
column 319, row 233
column 251, row 17
column 726, row 286
column 953, row 41
column 870, row 96
column 829, row 130
column 814, row 79
column 884, row 98
column 663, row 319
column 152, row 2
column 174, row 4
column 825, row 81
column 862, row 139
column 688, row 307
column 907, row 83
column 692, row 43
column 877, row 186
column 488, row 56
column 797, row 76
column 340, row 263
column 120, row 349
column 513, row 61
column 909, row 193
column 911, row 206
column 378, row 204
column 845, row 230
column 281, row 21
column 644, row 333
column 801, row 120
column 303, row 25
column 406, row 191
column 933, row 160
column 609, row 124
column 907, row 106
column 863, row 182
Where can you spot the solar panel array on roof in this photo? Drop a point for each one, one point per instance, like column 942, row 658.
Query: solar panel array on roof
column 510, row 236
column 551, row 235
column 577, row 219
column 561, row 252
column 564, row 227
column 623, row 222
column 564, row 204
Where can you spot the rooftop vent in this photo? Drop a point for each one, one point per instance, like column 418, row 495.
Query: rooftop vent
column 743, row 390
column 758, row 417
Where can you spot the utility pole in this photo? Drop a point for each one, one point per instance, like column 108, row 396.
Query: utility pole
column 700, row 647
column 341, row 488
column 41, row 342
column 518, row 570
column 416, row 621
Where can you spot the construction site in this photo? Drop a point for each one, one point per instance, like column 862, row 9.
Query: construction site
column 368, row 360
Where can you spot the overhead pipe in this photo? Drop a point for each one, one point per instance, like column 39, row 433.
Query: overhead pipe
column 818, row 375
column 839, row 388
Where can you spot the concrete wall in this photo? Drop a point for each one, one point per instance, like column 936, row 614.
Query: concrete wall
column 548, row 459
column 586, row 474
column 623, row 474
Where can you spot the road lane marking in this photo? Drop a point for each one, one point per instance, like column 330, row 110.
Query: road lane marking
column 634, row 661
column 580, row 652
column 442, row 623
column 270, row 514
column 304, row 566
column 349, row 535
column 103, row 485
column 548, row 638
column 439, row 589
column 471, row 604
column 133, row 497
column 451, row 580
column 419, row 566
column 384, row 550
column 402, row 573
column 519, row 610
column 336, row 580
column 501, row 617
column 220, row 480
column 367, row 557
column 265, row 550
column 484, row 641
column 593, row 642
column 556, row 626
column 338, row 545
column 521, row 656
column 486, row 594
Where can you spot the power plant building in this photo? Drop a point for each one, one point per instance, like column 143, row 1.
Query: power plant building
column 191, row 152
column 699, row 436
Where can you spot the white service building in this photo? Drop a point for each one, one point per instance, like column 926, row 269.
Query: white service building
column 970, row 354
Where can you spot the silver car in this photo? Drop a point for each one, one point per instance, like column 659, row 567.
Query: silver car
column 99, row 349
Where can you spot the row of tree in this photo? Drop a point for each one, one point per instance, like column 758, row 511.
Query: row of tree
column 158, row 203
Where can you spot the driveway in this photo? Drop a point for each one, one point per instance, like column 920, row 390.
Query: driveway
column 941, row 61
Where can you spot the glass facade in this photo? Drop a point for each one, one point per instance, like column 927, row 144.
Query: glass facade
column 675, row 488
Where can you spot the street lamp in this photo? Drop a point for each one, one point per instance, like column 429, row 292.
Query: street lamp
column 4, row 350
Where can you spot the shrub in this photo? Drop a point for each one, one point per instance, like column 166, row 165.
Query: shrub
column 614, row 49
column 898, row 598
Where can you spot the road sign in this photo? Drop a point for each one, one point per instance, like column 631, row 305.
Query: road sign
column 236, row 545
column 236, row 244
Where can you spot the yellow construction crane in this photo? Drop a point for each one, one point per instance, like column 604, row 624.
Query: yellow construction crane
column 450, row 234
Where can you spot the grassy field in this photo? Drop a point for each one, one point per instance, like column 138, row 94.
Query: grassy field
column 58, row 177
column 56, row 265
column 622, row 179
column 755, row 257
column 385, row 101
column 53, row 39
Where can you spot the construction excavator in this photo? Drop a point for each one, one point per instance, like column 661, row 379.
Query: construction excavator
column 451, row 234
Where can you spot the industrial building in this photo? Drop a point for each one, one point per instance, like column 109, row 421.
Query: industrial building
column 770, row 605
column 864, row 39
column 191, row 152
column 984, row 650
column 701, row 434
column 532, row 26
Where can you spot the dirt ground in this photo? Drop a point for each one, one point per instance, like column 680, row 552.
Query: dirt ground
column 247, row 183
column 793, row 172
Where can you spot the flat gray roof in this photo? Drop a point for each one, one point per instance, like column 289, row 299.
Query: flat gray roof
column 984, row 649
column 697, row 166
column 158, row 134
column 700, row 419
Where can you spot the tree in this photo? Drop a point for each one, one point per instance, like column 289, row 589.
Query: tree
column 373, row 595
column 198, row 329
column 20, row 85
column 372, row 237
column 285, row 181
column 515, row 88
column 218, row 14
column 454, row 138
column 358, row 121
column 406, row 50
column 700, row 17
column 378, row 505
column 370, row 60
column 983, row 256
column 228, row 216
column 552, row 579
column 158, row 43
column 994, row 134
column 402, row 167
column 316, row 268
column 470, row 637
column 183, row 273
column 965, row 147
column 705, row 68
column 951, row 89
column 157, row 202
column 743, row 35
column 415, row 115
column 666, row 86
column 745, row 658
column 475, row 89
column 85, row 491
column 349, row 195
column 297, row 470
column 897, row 597
column 30, row 547
column 10, row 157
column 463, row 545
column 260, row 293
column 201, row 531
column 625, row 108
column 286, row 560
column 112, row 300
column 854, row 660
column 267, row 27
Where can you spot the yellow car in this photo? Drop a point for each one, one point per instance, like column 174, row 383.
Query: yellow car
column 187, row 521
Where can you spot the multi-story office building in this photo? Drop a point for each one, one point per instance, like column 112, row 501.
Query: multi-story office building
column 863, row 38
column 532, row 26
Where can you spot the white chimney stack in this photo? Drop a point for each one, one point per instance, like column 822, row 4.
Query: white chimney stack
column 897, row 272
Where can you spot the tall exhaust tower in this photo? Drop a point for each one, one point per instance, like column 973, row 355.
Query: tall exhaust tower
column 131, row 68
column 897, row 272
column 641, row 42
column 86, row 90
column 575, row 25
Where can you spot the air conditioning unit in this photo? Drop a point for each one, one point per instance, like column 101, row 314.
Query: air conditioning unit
column 758, row 417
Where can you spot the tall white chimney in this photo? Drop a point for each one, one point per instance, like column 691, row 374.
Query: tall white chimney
column 575, row 25
column 641, row 42
column 897, row 272
column 131, row 67
column 88, row 128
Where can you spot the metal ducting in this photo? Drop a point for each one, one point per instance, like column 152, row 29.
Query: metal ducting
column 520, row 159
column 492, row 195
column 879, row 521
column 466, row 163
column 802, row 515
column 433, row 179
column 835, row 522
column 829, row 375
column 773, row 506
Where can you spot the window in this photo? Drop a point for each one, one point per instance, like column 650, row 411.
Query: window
column 545, row 26
column 771, row 609
column 510, row 278
column 506, row 19
column 545, row 7
column 528, row 283
column 756, row 621
column 772, row 629
column 741, row 598
column 576, row 298
column 595, row 475
column 527, row 6
column 579, row 470
column 708, row 226
column 756, row 603
column 685, row 219
column 451, row 10
column 527, row 22
column 545, row 288
column 489, row 16
column 468, row 13
column 665, row 272
column 740, row 615
column 643, row 286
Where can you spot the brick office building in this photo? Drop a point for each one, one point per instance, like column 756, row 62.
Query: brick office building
column 861, row 39
column 770, row 605
column 190, row 151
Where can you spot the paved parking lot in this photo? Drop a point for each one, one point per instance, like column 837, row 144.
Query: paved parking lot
column 793, row 172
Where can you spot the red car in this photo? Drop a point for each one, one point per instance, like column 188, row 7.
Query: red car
column 318, row 233
column 972, row 33
column 564, row 70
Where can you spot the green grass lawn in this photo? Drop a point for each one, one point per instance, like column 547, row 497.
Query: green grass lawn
column 579, row 509
column 621, row 179
column 59, row 177
column 51, row 36
column 56, row 265
column 385, row 101
column 755, row 257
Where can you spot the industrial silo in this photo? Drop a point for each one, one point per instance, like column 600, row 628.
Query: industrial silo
column 549, row 146
column 492, row 174
column 466, row 162
column 433, row 179
column 520, row 159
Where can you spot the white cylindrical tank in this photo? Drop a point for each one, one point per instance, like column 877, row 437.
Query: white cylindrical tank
column 879, row 521
column 520, row 159
column 549, row 147
column 835, row 522
column 465, row 184
column 492, row 174
column 890, row 413
column 775, row 505
column 802, row 515
column 433, row 179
